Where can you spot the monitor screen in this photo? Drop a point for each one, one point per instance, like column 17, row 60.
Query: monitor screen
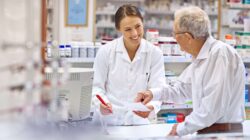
column 77, row 89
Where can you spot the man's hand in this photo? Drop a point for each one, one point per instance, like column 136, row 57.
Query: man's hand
column 144, row 97
column 144, row 114
column 173, row 132
column 106, row 110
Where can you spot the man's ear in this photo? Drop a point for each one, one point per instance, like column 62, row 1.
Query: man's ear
column 189, row 37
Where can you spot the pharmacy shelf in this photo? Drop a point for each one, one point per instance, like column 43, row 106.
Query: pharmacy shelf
column 247, row 104
column 176, row 59
column 105, row 13
column 112, row 26
column 246, row 60
column 176, row 106
column 50, row 8
column 233, row 26
column 79, row 60
column 76, row 60
column 167, row 59
column 156, row 12
column 184, row 106
column 166, row 12
column 213, row 14
column 159, row 28
column 49, row 26
column 236, row 26
column 127, row 0
column 238, row 6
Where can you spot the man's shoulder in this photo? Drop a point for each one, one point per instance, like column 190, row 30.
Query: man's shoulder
column 221, row 47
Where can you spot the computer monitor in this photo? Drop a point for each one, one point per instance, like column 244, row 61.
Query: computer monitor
column 77, row 89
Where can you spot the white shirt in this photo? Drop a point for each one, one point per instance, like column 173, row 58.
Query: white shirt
column 118, row 80
column 215, row 81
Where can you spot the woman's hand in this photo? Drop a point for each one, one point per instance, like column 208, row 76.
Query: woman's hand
column 144, row 114
column 106, row 110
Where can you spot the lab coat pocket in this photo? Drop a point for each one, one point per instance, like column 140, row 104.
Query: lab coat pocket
column 141, row 82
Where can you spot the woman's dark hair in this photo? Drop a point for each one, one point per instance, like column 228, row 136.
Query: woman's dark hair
column 126, row 10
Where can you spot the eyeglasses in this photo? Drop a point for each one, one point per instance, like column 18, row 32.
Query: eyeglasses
column 176, row 33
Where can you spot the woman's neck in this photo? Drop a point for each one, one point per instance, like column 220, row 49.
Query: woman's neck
column 131, row 50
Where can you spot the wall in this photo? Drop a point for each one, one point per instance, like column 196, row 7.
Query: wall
column 20, row 21
column 67, row 34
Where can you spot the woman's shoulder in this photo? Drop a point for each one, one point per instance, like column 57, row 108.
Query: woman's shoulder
column 112, row 44
column 109, row 46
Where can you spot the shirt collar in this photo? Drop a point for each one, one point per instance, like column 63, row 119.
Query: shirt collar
column 121, row 48
column 204, row 52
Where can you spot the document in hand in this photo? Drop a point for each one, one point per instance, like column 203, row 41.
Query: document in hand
column 136, row 107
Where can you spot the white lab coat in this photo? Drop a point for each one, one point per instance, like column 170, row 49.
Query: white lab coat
column 215, row 81
column 118, row 80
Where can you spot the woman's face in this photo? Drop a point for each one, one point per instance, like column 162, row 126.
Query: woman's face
column 131, row 28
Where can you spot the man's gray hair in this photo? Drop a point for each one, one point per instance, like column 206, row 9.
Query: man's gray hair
column 193, row 20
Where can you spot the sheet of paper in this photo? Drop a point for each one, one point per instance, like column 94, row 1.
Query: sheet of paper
column 136, row 107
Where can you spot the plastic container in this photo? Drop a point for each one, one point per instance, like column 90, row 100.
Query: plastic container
column 245, row 39
column 83, row 50
column 152, row 36
column 67, row 50
column 48, row 50
column 165, row 45
column 90, row 49
column 246, row 1
column 75, row 50
column 62, row 50
column 180, row 117
column 229, row 40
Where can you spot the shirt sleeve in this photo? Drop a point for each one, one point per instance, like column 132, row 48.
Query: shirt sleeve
column 214, row 98
column 100, row 75
column 179, row 92
column 156, row 79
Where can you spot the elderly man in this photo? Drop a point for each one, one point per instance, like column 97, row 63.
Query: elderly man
column 214, row 80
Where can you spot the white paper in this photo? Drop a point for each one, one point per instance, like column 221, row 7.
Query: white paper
column 136, row 107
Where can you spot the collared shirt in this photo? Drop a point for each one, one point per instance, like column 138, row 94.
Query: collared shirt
column 118, row 80
column 215, row 81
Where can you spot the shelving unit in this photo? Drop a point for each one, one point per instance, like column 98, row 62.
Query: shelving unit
column 159, row 17
column 167, row 59
column 247, row 104
column 50, row 20
column 238, row 6
column 176, row 106
column 233, row 20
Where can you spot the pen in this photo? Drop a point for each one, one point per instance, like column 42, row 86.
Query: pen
column 147, row 76
column 102, row 101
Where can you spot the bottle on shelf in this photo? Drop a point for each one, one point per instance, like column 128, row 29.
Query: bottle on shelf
column 152, row 36
column 62, row 50
column 67, row 50
column 230, row 40
column 48, row 49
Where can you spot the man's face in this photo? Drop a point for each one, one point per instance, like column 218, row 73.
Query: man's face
column 131, row 28
column 181, row 37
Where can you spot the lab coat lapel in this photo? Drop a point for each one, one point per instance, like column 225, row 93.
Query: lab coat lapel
column 121, row 50
column 142, row 50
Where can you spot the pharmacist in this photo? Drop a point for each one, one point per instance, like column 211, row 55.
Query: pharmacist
column 125, row 66
column 214, row 80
